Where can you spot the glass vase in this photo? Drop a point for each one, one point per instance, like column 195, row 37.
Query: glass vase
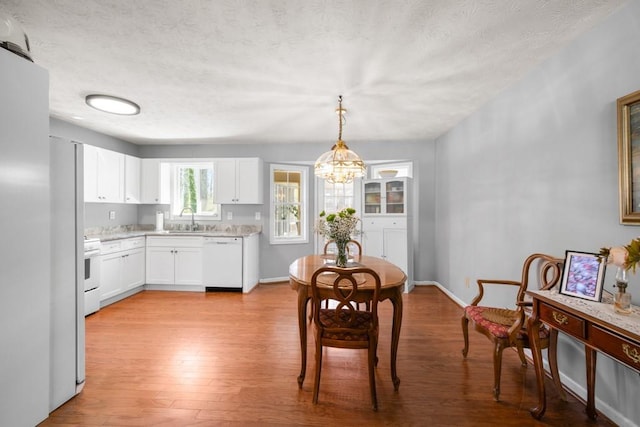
column 622, row 299
column 341, row 254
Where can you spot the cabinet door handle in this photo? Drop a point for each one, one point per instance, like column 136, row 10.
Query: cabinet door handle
column 631, row 352
column 560, row 319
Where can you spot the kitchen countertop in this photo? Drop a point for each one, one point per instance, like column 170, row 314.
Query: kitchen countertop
column 127, row 232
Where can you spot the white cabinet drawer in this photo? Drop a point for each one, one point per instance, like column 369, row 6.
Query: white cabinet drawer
column 378, row 223
column 174, row 242
column 136, row 242
column 110, row 247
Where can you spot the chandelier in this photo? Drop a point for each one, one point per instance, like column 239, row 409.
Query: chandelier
column 340, row 165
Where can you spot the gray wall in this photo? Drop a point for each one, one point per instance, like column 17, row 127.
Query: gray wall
column 72, row 132
column 536, row 171
column 274, row 259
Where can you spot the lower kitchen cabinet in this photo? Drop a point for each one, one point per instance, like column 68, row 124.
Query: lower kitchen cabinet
column 122, row 267
column 174, row 261
column 389, row 238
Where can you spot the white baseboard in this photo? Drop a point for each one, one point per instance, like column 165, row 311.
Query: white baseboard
column 274, row 280
column 443, row 289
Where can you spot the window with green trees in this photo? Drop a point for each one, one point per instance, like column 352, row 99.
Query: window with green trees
column 193, row 190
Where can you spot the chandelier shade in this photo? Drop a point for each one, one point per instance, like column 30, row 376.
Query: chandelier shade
column 340, row 165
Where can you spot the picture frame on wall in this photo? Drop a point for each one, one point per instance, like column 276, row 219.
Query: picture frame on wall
column 629, row 157
column 583, row 275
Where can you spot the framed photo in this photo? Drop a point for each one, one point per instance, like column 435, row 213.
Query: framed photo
column 583, row 275
column 629, row 157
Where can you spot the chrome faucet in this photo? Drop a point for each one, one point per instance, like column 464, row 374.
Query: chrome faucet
column 194, row 226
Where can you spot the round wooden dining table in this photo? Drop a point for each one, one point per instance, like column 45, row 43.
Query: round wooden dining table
column 392, row 280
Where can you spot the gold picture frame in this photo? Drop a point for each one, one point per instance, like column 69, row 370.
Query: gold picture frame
column 629, row 157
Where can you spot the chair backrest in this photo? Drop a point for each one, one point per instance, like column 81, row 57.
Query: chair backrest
column 545, row 271
column 347, row 287
column 352, row 246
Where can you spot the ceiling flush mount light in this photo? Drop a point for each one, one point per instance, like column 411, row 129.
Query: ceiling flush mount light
column 340, row 165
column 113, row 105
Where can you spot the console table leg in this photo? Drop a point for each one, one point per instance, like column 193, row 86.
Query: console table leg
column 533, row 328
column 591, row 382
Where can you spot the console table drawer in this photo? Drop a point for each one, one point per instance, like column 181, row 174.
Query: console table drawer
column 563, row 321
column 624, row 350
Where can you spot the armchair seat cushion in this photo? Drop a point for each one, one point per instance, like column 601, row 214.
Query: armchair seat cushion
column 497, row 321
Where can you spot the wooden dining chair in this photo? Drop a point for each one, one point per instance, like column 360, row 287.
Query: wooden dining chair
column 353, row 246
column 506, row 327
column 345, row 326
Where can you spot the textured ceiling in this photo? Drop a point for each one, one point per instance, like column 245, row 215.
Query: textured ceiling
column 226, row 71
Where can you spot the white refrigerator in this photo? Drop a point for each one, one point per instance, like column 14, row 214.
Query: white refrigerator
column 67, row 343
column 25, row 291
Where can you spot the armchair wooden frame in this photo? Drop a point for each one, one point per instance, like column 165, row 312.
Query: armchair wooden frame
column 507, row 328
column 350, row 243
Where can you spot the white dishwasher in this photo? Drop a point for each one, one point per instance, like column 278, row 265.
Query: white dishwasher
column 222, row 263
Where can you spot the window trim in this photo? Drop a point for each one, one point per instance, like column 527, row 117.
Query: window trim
column 304, row 203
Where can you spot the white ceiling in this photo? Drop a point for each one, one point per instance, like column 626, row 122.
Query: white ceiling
column 227, row 71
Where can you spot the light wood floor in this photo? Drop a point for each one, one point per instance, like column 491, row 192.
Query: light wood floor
column 183, row 359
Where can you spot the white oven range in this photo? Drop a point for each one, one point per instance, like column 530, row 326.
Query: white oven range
column 91, row 276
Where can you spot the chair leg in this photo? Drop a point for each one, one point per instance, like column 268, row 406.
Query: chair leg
column 465, row 334
column 372, row 376
column 497, row 367
column 523, row 359
column 316, row 385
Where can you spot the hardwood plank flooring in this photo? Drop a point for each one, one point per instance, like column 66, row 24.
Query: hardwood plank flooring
column 196, row 359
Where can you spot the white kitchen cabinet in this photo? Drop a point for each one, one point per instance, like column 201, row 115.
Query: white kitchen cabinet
column 239, row 181
column 188, row 266
column 131, row 179
column 155, row 182
column 388, row 196
column 160, row 266
column 133, row 269
column 110, row 272
column 121, row 267
column 90, row 173
column 174, row 261
column 103, row 175
column 389, row 238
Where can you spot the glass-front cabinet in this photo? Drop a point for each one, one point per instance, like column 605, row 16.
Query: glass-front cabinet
column 385, row 196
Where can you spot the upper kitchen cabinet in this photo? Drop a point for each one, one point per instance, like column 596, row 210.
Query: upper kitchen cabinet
column 155, row 177
column 103, row 175
column 386, row 196
column 239, row 181
column 131, row 179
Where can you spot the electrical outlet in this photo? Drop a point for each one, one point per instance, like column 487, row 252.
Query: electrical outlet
column 257, row 216
column 229, row 216
column 112, row 214
column 466, row 281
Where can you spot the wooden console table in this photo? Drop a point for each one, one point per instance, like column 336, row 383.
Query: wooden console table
column 593, row 323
